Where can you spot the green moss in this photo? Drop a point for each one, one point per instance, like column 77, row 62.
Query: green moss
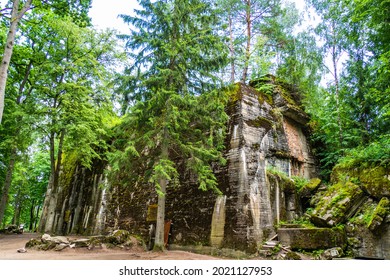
column 265, row 93
column 69, row 163
column 304, row 222
column 286, row 96
column 336, row 199
column 343, row 191
column 365, row 215
column 260, row 122
column 270, row 86
column 375, row 179
column 274, row 171
column 383, row 207
column 233, row 93
column 121, row 236
column 256, row 146
column 309, row 187
column 33, row 243
column 292, row 256
column 300, row 182
column 158, row 248
column 316, row 238
column 313, row 183
column 379, row 214
column 285, row 183
column 282, row 154
column 277, row 114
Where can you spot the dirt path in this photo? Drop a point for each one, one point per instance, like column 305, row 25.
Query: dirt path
column 10, row 243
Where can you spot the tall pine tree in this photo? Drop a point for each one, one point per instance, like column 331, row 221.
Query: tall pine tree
column 176, row 53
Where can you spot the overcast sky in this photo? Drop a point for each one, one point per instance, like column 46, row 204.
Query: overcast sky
column 104, row 13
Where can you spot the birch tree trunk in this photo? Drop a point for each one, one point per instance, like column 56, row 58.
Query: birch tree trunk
column 16, row 16
column 336, row 82
column 248, row 20
column 231, row 49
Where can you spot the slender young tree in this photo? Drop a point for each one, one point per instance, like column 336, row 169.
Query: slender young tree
column 333, row 29
column 176, row 55
column 76, row 9
column 15, row 131
column 17, row 13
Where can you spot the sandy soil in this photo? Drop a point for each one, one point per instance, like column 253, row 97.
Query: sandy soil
column 9, row 244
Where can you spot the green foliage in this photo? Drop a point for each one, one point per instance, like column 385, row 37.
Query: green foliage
column 164, row 169
column 365, row 216
column 57, row 85
column 317, row 253
column 351, row 118
column 178, row 117
column 300, row 182
column 280, row 178
column 70, row 82
column 267, row 88
column 175, row 37
column 303, row 221
column 275, row 171
column 376, row 153
column 379, row 214
column 254, row 40
column 77, row 10
column 29, row 183
column 336, row 199
column 170, row 114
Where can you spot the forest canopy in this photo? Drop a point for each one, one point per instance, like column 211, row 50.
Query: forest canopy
column 145, row 97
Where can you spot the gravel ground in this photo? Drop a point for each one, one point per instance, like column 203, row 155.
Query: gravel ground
column 9, row 244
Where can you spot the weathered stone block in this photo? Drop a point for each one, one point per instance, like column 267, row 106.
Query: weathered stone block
column 61, row 247
column 367, row 244
column 379, row 215
column 80, row 243
column 33, row 243
column 310, row 188
column 312, row 238
column 374, row 180
column 332, row 253
column 337, row 204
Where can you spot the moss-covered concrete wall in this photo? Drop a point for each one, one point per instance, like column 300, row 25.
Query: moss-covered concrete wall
column 312, row 238
column 258, row 136
column 359, row 199
column 266, row 128
column 81, row 200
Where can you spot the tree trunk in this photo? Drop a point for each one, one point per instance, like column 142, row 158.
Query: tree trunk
column 11, row 165
column 16, row 16
column 233, row 70
column 31, row 223
column 337, row 87
column 18, row 207
column 36, row 217
column 50, row 185
column 48, row 212
column 248, row 20
column 159, row 241
column 17, row 212
column 7, row 183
